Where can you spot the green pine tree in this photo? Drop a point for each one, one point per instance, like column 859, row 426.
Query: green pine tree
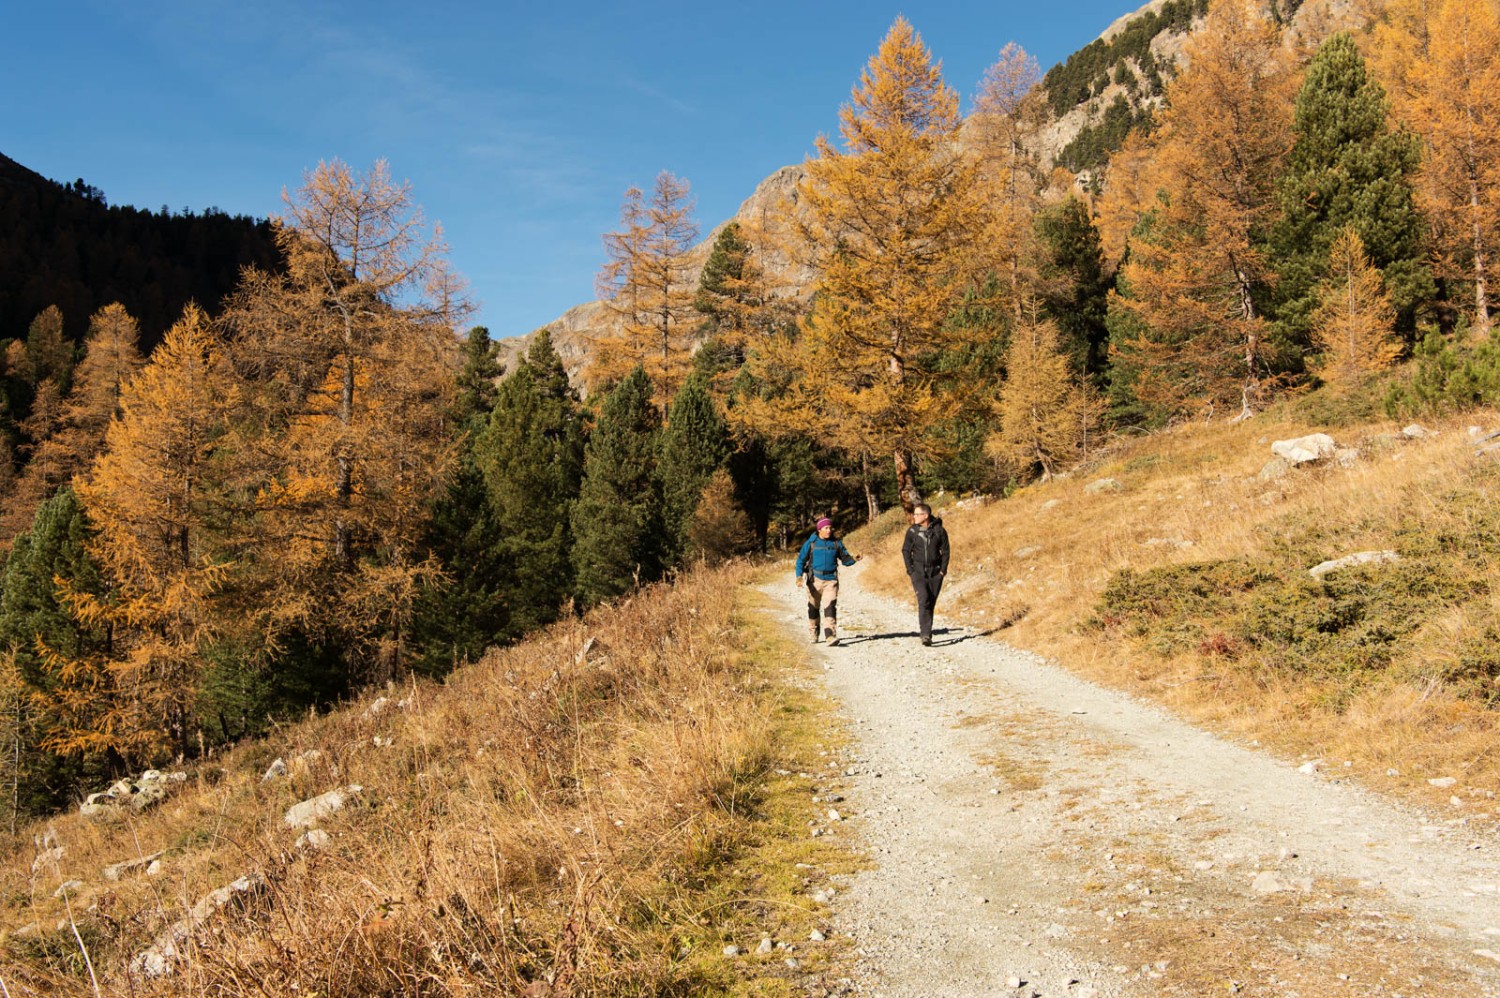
column 531, row 456
column 477, row 378
column 694, row 445
column 1346, row 169
column 617, row 536
column 464, row 613
column 1075, row 287
column 32, row 616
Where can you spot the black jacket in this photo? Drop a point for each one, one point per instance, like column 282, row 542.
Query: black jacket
column 926, row 551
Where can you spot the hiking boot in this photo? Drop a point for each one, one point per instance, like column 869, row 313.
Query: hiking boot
column 833, row 642
column 926, row 642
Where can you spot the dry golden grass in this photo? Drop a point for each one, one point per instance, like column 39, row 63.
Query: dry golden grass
column 594, row 812
column 1035, row 565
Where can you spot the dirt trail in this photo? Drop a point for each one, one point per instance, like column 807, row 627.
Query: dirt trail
column 1034, row 834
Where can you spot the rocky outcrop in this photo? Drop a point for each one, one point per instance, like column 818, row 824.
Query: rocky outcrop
column 130, row 796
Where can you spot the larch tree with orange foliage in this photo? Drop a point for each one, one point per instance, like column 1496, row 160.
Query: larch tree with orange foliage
column 647, row 284
column 349, row 357
column 1438, row 61
column 1006, row 106
column 1045, row 417
column 890, row 221
column 1355, row 323
column 74, row 427
column 1196, row 267
column 155, row 497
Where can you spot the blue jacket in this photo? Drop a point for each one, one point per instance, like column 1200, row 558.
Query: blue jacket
column 821, row 557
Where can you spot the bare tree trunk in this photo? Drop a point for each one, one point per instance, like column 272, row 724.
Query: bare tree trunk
column 1481, row 283
column 872, row 501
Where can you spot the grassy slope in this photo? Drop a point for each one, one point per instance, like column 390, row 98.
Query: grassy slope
column 1189, row 586
column 562, row 818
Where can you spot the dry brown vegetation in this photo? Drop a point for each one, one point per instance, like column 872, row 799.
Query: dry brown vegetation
column 597, row 811
column 1189, row 585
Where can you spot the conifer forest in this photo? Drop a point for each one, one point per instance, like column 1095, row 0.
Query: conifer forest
column 237, row 496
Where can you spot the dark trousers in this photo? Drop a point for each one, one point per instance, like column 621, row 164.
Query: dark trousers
column 927, row 588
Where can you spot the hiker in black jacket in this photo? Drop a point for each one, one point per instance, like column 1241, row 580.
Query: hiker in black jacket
column 925, row 552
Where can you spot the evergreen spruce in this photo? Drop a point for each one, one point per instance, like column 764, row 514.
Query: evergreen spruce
column 531, row 456
column 456, row 619
column 1075, row 285
column 31, row 617
column 477, row 390
column 617, row 539
column 1346, row 169
column 694, row 445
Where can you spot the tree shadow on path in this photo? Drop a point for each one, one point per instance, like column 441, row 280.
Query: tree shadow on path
column 938, row 641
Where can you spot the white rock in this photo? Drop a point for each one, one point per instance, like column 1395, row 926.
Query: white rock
column 1352, row 561
column 1302, row 450
column 1443, row 781
column 377, row 707
column 1103, row 485
column 313, row 810
column 67, row 888
column 1027, row 551
column 1310, row 767
column 766, row 946
column 46, row 858
column 1416, row 431
column 731, row 950
column 277, row 768
column 816, row 935
column 1266, row 882
column 314, row 839
column 154, row 869
column 116, row 871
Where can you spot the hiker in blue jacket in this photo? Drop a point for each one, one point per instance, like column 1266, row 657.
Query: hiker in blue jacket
column 819, row 561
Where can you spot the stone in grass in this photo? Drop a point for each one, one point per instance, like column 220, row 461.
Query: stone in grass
column 1304, row 450
column 160, row 958
column 1443, row 781
column 1354, row 560
column 117, row 871
column 731, row 950
column 1103, row 485
column 314, row 810
column 766, row 946
column 816, row 935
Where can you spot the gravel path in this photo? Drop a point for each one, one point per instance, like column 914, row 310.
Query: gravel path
column 1034, row 834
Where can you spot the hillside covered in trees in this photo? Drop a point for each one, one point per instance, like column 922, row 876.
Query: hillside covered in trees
column 66, row 246
column 323, row 480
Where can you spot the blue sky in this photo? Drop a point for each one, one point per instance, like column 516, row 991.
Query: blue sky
column 519, row 125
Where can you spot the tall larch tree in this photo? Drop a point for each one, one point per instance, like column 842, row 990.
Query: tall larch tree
column 891, row 223
column 111, row 358
column 617, row 538
column 1354, row 325
column 156, row 498
column 1006, row 108
column 647, row 283
column 351, row 362
column 1044, row 415
column 1197, row 272
column 1438, row 60
column 1347, row 167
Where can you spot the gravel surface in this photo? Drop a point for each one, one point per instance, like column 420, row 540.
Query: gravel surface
column 1034, row 834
